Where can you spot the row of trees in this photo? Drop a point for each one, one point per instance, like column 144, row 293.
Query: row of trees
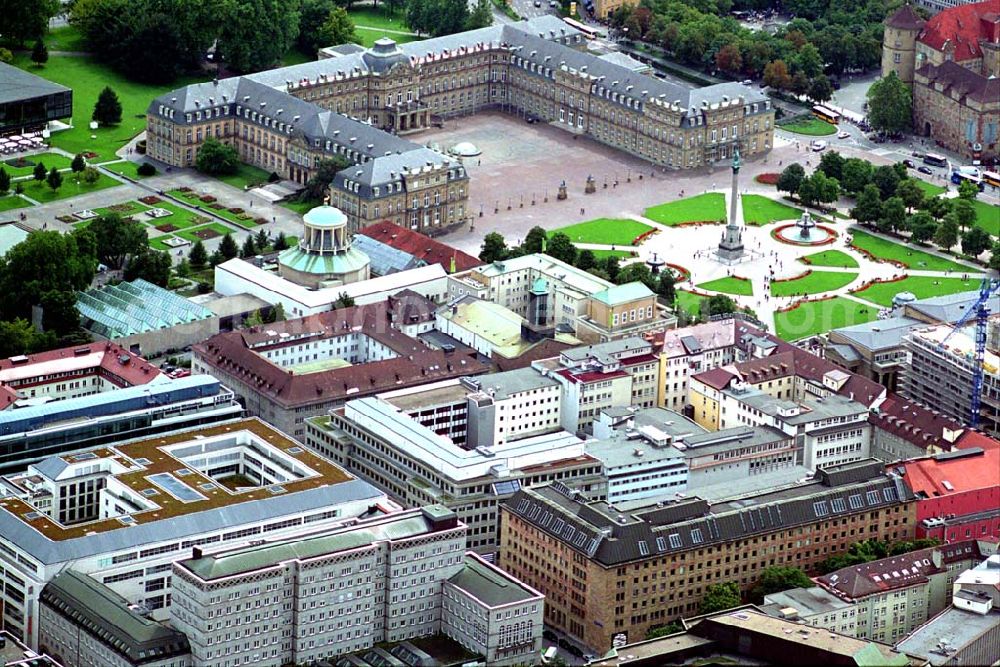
column 887, row 199
column 22, row 21
column 830, row 38
column 444, row 17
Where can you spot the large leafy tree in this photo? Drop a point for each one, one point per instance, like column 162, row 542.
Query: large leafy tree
column 150, row 265
column 911, row 193
column 791, row 178
column 437, row 17
column 893, row 216
column 108, row 110
column 560, row 247
column 25, row 20
column 832, row 164
column 922, row 227
column 312, row 15
column 778, row 578
column 890, row 105
column 117, row 239
column 719, row 597
column 43, row 262
column 946, row 235
column 868, row 207
column 887, row 179
column 995, row 256
column 215, row 157
column 975, row 242
column 254, row 34
column 338, row 28
column 855, row 174
column 319, row 184
column 534, row 241
column 965, row 212
column 494, row 248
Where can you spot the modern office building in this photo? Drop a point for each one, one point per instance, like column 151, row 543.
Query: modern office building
column 288, row 371
column 353, row 102
column 466, row 445
column 28, row 435
column 638, row 569
column 82, row 622
column 29, row 102
column 747, row 636
column 123, row 513
column 941, row 376
column 383, row 580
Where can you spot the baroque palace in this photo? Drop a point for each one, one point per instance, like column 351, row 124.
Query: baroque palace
column 356, row 102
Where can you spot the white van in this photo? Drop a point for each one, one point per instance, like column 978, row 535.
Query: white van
column 549, row 655
column 818, row 145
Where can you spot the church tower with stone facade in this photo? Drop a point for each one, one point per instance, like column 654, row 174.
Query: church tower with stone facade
column 899, row 43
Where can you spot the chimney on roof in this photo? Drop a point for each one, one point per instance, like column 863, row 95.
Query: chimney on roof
column 195, row 552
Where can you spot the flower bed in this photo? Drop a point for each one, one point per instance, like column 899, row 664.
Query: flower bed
column 680, row 273
column 167, row 228
column 236, row 210
column 184, row 189
column 216, row 206
column 878, row 260
column 208, row 199
column 869, row 283
column 260, row 221
column 205, row 234
column 802, row 302
column 699, row 223
column 788, row 280
column 642, row 237
column 68, row 219
column 151, row 200
column 769, row 178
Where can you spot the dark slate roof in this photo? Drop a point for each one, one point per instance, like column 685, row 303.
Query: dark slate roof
column 905, row 18
column 17, row 85
column 612, row 537
column 958, row 81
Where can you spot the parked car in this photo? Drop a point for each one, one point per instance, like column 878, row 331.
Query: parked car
column 818, row 145
column 909, row 164
column 747, row 82
column 843, row 134
column 925, row 170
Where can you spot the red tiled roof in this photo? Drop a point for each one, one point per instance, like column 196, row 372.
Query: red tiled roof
column 905, row 18
column 420, row 246
column 717, row 378
column 960, row 29
column 103, row 355
column 235, row 354
column 914, row 423
column 966, row 473
column 971, row 439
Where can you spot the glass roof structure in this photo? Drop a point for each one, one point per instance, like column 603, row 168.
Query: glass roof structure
column 114, row 311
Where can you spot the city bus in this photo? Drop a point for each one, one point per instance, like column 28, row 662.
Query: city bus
column 958, row 176
column 827, row 114
column 935, row 160
column 587, row 31
column 991, row 178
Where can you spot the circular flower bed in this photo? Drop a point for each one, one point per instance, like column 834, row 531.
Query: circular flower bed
column 680, row 273
column 783, row 233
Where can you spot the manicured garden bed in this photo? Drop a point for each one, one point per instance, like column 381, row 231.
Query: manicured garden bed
column 759, row 210
column 920, row 286
column 28, row 163
column 912, row 258
column 814, row 317
column 605, row 231
column 812, row 282
column 813, row 127
column 125, row 209
column 836, row 258
column 204, row 232
column 708, row 207
column 729, row 285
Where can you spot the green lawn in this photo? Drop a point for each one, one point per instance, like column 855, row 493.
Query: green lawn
column 817, row 317
column 181, row 218
column 41, row 192
column 190, row 235
column 813, row 127
column 605, row 231
column 729, row 285
column 125, row 168
column 922, row 287
column 910, row 257
column 930, row 190
column 87, row 77
column 191, row 198
column 816, row 282
column 246, row 175
column 295, row 57
column 124, row 209
column 378, row 18
column 987, row 217
column 158, row 244
column 759, row 210
column 621, row 254
column 689, row 302
column 708, row 207
column 830, row 258
column 48, row 159
column 11, row 201
column 300, row 207
column 65, row 38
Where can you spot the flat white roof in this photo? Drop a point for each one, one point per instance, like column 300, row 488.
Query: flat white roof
column 324, row 297
column 422, row 444
column 52, row 366
column 548, row 266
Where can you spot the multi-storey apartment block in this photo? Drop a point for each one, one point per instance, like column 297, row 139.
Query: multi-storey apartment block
column 610, row 575
column 388, row 579
column 122, row 513
column 353, row 102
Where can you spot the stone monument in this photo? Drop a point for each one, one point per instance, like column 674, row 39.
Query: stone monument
column 731, row 245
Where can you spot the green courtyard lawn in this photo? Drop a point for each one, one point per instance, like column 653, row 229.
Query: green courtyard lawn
column 378, row 17
column 836, row 258
column 620, row 254
column 987, row 217
column 87, row 77
column 816, row 282
column 191, row 198
column 12, row 201
column 300, row 207
column 192, row 234
column 759, row 210
column 368, row 36
column 181, row 218
column 922, row 287
column 125, row 168
column 50, row 160
column 817, row 317
column 707, row 207
column 910, row 257
column 729, row 285
column 689, row 302
column 65, row 38
column 929, row 189
column 813, row 127
column 604, row 231
column 246, row 175
column 41, row 192
column 125, row 209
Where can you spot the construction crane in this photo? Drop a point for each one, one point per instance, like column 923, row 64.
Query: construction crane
column 980, row 310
